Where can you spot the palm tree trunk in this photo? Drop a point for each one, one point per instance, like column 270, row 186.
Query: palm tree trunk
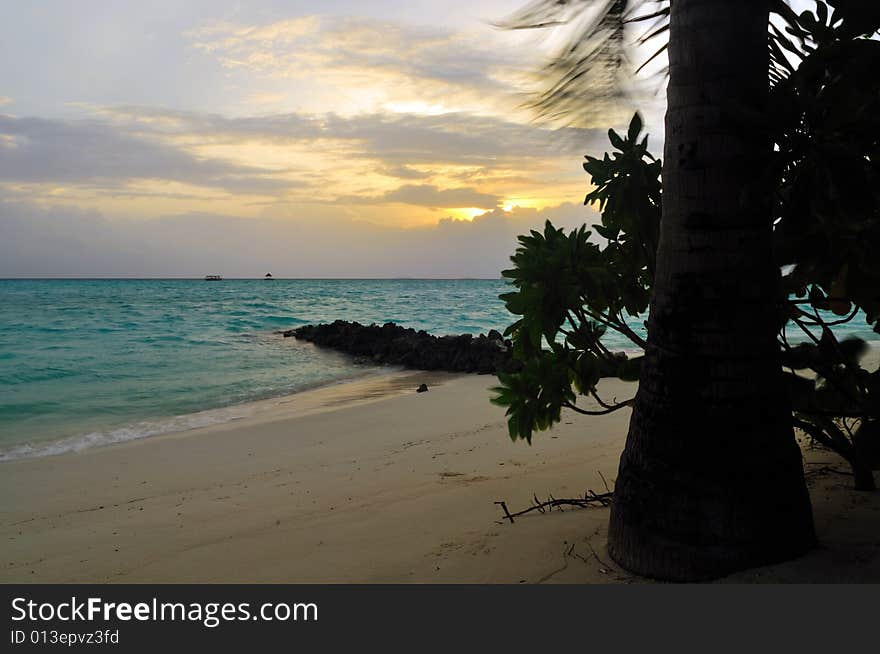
column 711, row 479
column 863, row 476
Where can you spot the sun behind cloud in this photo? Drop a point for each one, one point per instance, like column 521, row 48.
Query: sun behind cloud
column 312, row 118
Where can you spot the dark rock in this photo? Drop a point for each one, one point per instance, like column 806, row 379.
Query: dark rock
column 395, row 345
column 423, row 388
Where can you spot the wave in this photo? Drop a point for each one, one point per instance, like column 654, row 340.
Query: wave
column 133, row 432
column 174, row 424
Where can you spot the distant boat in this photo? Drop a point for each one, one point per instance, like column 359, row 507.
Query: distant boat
column 268, row 276
column 213, row 278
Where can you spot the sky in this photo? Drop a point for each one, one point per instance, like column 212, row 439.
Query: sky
column 332, row 139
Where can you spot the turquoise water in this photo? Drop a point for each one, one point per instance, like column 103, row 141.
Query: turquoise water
column 88, row 362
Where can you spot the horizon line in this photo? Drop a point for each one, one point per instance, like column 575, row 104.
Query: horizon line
column 262, row 278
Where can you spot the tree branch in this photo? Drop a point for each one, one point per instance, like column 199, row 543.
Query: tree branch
column 590, row 499
column 586, row 412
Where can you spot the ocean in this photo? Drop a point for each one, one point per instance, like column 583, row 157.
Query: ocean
column 91, row 362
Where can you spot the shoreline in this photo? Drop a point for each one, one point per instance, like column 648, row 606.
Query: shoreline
column 185, row 422
column 363, row 482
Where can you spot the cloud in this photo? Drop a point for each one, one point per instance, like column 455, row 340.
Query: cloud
column 405, row 172
column 369, row 63
column 69, row 242
column 399, row 139
column 163, row 121
column 37, row 150
column 429, row 126
column 455, row 138
column 333, row 118
column 4, row 100
column 450, row 161
column 426, row 195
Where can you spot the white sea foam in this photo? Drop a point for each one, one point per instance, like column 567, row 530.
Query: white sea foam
column 131, row 432
column 172, row 425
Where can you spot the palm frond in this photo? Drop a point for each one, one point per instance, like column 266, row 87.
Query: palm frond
column 590, row 75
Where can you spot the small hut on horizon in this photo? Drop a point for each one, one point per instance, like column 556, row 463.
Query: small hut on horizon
column 268, row 276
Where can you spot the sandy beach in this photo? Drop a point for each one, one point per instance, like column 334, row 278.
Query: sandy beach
column 366, row 481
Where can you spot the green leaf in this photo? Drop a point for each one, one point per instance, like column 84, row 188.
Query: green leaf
column 635, row 126
column 616, row 141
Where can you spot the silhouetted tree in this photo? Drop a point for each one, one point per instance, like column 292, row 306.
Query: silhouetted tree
column 825, row 110
column 687, row 503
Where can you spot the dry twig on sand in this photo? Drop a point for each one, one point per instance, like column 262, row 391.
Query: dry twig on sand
column 590, row 499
